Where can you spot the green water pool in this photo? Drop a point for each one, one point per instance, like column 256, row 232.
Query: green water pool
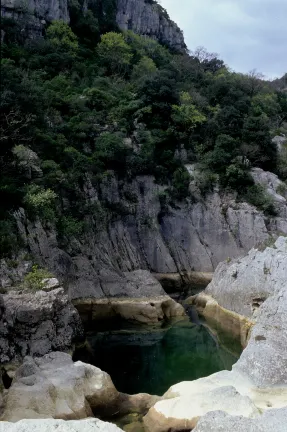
column 145, row 360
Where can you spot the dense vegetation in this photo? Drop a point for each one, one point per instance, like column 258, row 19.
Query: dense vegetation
column 88, row 99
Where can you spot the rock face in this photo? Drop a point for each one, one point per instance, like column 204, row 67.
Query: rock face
column 254, row 286
column 243, row 284
column 193, row 237
column 148, row 18
column 142, row 17
column 55, row 387
column 89, row 425
column 32, row 15
column 36, row 323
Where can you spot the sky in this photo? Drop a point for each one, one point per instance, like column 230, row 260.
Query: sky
column 247, row 34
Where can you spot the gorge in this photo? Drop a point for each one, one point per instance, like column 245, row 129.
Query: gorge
column 143, row 226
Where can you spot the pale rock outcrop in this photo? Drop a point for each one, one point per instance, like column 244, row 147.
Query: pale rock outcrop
column 142, row 17
column 182, row 413
column 35, row 323
column 280, row 141
column 273, row 420
column 54, row 386
column 253, row 287
column 32, row 15
column 51, row 425
column 148, row 18
column 243, row 284
column 274, row 187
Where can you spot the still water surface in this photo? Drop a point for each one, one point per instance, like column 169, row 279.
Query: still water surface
column 144, row 360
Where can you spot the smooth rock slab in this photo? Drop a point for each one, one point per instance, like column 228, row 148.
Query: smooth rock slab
column 55, row 387
column 89, row 425
column 273, row 420
column 180, row 413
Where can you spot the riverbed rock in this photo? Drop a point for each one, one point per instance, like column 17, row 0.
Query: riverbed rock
column 252, row 289
column 182, row 413
column 149, row 310
column 54, row 387
column 243, row 284
column 52, row 425
column 35, row 323
column 272, row 420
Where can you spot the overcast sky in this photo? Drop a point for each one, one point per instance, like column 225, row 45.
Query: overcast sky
column 248, row 34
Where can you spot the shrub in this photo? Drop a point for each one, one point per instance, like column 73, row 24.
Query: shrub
column 180, row 183
column 34, row 279
column 257, row 196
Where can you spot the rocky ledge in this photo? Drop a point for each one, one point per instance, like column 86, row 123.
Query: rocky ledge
column 35, row 323
column 250, row 290
column 51, row 425
column 55, row 387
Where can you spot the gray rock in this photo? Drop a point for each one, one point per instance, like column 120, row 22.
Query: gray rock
column 36, row 323
column 243, row 284
column 33, row 14
column 193, row 237
column 218, row 421
column 51, row 425
column 54, row 387
column 137, row 15
column 149, row 20
column 279, row 141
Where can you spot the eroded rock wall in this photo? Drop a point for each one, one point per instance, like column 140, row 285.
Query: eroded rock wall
column 145, row 18
column 187, row 237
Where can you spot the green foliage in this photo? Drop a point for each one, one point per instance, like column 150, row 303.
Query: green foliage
column 186, row 115
column 87, row 100
column 40, row 202
column 68, row 227
column 257, row 196
column 62, row 37
column 9, row 241
column 114, row 52
column 34, row 279
column 180, row 183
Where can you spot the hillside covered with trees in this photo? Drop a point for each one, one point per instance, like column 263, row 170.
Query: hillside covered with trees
column 88, row 99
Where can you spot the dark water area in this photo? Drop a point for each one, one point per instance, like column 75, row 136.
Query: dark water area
column 150, row 360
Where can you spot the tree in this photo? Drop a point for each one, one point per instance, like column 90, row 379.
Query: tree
column 143, row 69
column 186, row 114
column 114, row 52
column 62, row 37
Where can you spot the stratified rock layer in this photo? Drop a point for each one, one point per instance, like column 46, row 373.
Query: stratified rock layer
column 36, row 323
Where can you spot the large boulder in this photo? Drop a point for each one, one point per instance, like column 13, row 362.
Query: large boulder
column 249, row 293
column 243, row 284
column 35, row 323
column 53, row 386
column 183, row 412
column 217, row 421
column 51, row 425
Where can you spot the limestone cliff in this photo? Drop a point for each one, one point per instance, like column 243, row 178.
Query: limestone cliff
column 144, row 17
column 149, row 19
column 131, row 230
